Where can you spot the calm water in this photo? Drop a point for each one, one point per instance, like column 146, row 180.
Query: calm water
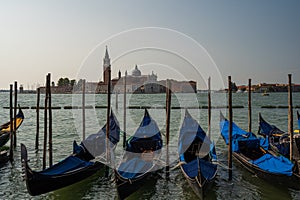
column 67, row 127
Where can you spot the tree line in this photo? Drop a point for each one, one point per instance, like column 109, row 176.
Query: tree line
column 67, row 82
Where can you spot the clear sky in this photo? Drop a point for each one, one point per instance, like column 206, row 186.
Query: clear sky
column 246, row 39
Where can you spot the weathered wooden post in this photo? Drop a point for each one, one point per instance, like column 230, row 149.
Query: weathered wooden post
column 50, row 119
column 37, row 119
column 230, row 128
column 290, row 117
column 45, row 126
column 108, row 123
column 249, row 107
column 209, row 109
column 83, row 109
column 11, row 152
column 15, row 114
column 168, row 114
column 124, row 114
column 117, row 106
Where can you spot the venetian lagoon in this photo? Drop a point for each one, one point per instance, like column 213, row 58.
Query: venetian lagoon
column 67, row 127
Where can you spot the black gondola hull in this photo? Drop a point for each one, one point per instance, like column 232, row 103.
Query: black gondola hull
column 39, row 184
column 196, row 184
column 199, row 184
column 3, row 157
column 4, row 138
column 281, row 179
column 5, row 128
column 126, row 187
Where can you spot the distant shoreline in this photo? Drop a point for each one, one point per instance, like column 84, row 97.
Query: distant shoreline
column 199, row 91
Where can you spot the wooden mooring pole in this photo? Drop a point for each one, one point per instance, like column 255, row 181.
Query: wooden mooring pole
column 168, row 114
column 83, row 109
column 37, row 119
column 117, row 106
column 124, row 112
column 15, row 114
column 108, row 160
column 230, row 128
column 209, row 108
column 249, row 107
column 50, row 120
column 290, row 117
column 45, row 126
column 11, row 152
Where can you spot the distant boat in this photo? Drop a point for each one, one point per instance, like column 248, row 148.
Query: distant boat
column 265, row 93
column 196, row 153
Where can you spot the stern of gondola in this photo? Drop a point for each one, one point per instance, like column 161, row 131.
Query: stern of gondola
column 27, row 173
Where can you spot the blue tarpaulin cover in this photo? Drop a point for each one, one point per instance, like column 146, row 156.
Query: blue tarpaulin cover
column 190, row 131
column 95, row 144
column 191, row 168
column 68, row 164
column 207, row 169
column 267, row 129
column 298, row 116
column 278, row 165
column 147, row 138
column 267, row 162
column 128, row 169
column 212, row 152
column 239, row 134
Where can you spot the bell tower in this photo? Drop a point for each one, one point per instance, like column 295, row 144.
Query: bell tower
column 106, row 67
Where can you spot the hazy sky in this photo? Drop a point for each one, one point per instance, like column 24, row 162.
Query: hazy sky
column 245, row 39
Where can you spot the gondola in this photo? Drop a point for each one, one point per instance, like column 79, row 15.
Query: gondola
column 5, row 128
column 279, row 140
column 248, row 151
column 75, row 167
column 196, row 156
column 68, row 171
column 139, row 161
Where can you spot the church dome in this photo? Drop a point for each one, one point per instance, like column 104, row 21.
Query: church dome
column 136, row 71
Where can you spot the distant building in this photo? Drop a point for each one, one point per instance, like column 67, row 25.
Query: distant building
column 270, row 87
column 58, row 89
column 136, row 82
